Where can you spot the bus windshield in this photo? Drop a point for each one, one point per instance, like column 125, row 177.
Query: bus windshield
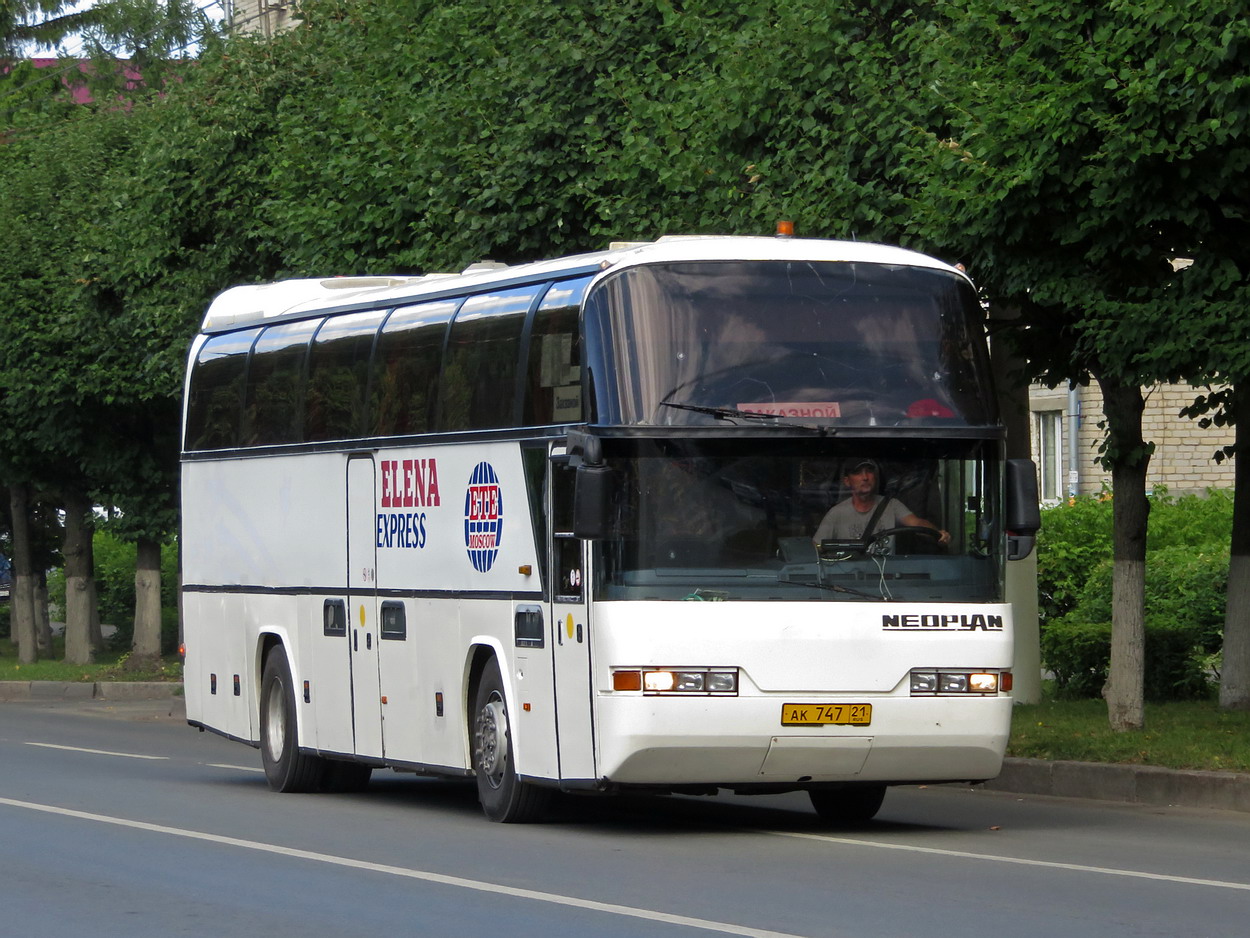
column 737, row 519
column 830, row 343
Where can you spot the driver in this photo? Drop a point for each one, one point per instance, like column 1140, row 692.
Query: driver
column 848, row 519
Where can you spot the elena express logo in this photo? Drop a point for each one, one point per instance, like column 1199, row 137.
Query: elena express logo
column 483, row 517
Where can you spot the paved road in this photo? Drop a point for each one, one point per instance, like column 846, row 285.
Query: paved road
column 120, row 820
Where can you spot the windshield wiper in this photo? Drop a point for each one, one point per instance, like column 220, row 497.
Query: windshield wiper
column 832, row 587
column 728, row 413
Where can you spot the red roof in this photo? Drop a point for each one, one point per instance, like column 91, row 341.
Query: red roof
column 83, row 66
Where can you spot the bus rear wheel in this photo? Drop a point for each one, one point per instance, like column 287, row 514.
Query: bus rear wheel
column 503, row 796
column 854, row 804
column 286, row 768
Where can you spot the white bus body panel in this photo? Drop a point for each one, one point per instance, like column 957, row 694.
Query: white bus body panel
column 800, row 653
column 269, row 546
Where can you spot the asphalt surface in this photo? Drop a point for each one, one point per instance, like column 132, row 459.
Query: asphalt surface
column 1131, row 784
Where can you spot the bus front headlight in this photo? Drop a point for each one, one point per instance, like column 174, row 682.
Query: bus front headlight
column 675, row 681
column 926, row 682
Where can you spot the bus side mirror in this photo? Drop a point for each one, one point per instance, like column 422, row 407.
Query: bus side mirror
column 592, row 487
column 1024, row 516
column 592, row 502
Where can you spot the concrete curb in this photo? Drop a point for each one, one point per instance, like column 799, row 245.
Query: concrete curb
column 1131, row 784
column 86, row 690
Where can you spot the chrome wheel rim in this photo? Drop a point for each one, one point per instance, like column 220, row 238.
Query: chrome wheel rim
column 275, row 722
column 490, row 743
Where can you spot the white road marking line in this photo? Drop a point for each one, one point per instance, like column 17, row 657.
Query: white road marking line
column 99, row 752
column 236, row 768
column 423, row 875
column 1020, row 861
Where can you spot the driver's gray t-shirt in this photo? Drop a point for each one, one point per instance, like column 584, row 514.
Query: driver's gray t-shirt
column 844, row 523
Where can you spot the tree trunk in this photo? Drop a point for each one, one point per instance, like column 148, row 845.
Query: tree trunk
column 78, row 581
column 147, row 638
column 95, row 633
column 43, row 625
column 23, row 588
column 1130, row 458
column 1235, row 672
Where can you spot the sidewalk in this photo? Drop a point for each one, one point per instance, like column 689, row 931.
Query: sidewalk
column 1129, row 784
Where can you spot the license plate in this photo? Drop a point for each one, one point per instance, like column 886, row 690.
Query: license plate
column 826, row 714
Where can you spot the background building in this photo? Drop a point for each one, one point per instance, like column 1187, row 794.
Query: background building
column 266, row 17
column 1066, row 435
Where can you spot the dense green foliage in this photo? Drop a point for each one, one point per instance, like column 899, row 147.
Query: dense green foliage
column 1186, row 579
column 1075, row 541
column 1067, row 152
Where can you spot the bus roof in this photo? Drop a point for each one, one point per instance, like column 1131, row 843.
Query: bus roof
column 283, row 300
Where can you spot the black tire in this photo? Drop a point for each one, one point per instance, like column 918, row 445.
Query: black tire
column 286, row 768
column 854, row 804
column 503, row 796
column 345, row 777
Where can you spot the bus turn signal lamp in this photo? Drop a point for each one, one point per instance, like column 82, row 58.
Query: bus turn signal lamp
column 718, row 682
column 958, row 683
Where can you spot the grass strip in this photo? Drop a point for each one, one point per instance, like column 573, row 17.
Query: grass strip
column 1177, row 735
column 108, row 666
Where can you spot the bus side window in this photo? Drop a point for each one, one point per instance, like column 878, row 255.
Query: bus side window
column 338, row 374
column 478, row 386
column 404, row 374
column 553, row 392
column 215, row 405
column 273, row 411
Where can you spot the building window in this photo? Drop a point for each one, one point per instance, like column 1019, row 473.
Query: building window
column 1048, row 435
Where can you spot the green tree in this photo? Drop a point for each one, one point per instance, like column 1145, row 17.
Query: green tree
column 87, row 376
column 1069, row 166
column 39, row 23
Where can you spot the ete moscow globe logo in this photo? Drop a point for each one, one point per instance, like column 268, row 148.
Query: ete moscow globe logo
column 483, row 517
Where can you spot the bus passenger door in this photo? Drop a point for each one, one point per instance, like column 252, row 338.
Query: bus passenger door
column 570, row 617
column 362, row 607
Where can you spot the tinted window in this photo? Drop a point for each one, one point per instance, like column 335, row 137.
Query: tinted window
column 706, row 518
column 338, row 373
column 479, row 373
column 215, row 404
column 836, row 343
column 553, row 392
column 275, row 385
column 405, row 368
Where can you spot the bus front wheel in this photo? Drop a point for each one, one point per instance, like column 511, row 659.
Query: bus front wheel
column 853, row 804
column 286, row 768
column 503, row 796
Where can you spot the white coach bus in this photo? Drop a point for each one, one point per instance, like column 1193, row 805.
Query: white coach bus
column 554, row 526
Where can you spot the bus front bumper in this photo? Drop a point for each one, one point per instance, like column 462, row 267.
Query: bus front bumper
column 734, row 741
